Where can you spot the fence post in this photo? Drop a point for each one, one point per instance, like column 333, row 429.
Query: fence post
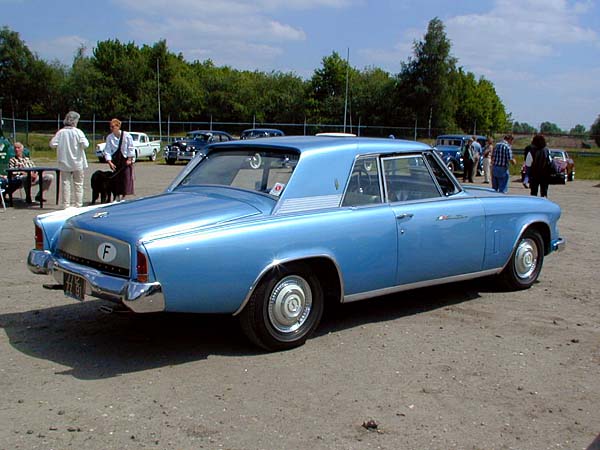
column 94, row 130
column 27, row 128
column 415, row 129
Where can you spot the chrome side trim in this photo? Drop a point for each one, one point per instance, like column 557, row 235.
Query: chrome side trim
column 419, row 284
column 280, row 262
column 139, row 297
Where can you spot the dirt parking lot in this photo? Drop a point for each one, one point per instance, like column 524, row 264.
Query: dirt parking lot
column 460, row 366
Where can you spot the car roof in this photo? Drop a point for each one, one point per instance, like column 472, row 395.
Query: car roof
column 346, row 145
column 460, row 136
column 262, row 129
column 207, row 132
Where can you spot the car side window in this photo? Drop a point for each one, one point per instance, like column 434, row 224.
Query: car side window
column 408, row 178
column 363, row 185
column 446, row 184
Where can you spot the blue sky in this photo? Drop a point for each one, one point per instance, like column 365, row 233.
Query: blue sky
column 543, row 56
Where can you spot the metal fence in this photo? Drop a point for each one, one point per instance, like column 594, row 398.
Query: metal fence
column 96, row 129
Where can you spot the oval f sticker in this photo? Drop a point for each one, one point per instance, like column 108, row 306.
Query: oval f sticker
column 107, row 252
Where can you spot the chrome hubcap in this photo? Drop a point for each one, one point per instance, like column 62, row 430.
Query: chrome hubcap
column 526, row 258
column 290, row 304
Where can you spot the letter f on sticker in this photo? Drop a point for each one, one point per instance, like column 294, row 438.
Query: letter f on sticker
column 106, row 250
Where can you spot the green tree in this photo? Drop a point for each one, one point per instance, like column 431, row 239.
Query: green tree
column 328, row 89
column 578, row 130
column 523, row 128
column 371, row 100
column 595, row 131
column 25, row 80
column 425, row 81
column 550, row 128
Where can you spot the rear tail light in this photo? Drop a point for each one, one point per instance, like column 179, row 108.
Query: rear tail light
column 39, row 238
column 142, row 267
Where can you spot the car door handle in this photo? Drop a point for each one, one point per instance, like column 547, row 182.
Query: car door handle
column 452, row 217
column 404, row 216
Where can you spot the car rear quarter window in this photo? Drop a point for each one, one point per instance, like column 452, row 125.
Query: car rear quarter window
column 363, row 185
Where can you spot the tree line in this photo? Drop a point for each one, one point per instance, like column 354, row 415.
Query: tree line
column 123, row 80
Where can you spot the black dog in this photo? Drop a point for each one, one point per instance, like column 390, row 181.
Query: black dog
column 103, row 186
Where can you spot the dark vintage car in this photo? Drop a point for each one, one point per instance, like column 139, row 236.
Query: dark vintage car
column 194, row 142
column 451, row 146
column 256, row 133
column 319, row 221
column 564, row 164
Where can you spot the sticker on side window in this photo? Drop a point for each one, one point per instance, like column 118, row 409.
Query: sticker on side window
column 277, row 189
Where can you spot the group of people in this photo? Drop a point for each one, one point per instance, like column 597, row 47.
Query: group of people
column 71, row 143
column 20, row 179
column 498, row 158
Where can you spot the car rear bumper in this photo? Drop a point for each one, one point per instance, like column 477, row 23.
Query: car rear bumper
column 558, row 245
column 139, row 297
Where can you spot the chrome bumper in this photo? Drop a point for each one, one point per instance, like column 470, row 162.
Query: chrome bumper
column 139, row 297
column 558, row 245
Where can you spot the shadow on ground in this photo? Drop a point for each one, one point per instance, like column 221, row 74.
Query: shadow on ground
column 95, row 345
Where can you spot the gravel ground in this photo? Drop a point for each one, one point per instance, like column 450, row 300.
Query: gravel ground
column 460, row 366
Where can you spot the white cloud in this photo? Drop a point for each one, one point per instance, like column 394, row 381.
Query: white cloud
column 519, row 30
column 242, row 33
column 390, row 59
column 61, row 48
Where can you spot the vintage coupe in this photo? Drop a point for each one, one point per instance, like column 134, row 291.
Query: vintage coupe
column 194, row 142
column 319, row 220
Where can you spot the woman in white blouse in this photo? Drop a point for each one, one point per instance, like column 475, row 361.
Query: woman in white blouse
column 119, row 154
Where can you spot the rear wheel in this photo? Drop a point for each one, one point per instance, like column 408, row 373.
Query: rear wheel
column 152, row 157
column 284, row 309
column 525, row 263
column 571, row 176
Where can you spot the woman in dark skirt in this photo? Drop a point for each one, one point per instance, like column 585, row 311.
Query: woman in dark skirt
column 538, row 160
column 119, row 154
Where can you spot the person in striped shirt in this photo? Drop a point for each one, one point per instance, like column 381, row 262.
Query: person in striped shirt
column 502, row 157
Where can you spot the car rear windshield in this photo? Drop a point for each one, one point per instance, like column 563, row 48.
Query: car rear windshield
column 264, row 171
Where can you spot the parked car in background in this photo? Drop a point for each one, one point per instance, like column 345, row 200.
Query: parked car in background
column 195, row 142
column 276, row 244
column 144, row 147
column 451, row 147
column 564, row 164
column 256, row 133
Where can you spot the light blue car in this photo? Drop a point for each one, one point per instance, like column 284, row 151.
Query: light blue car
column 276, row 230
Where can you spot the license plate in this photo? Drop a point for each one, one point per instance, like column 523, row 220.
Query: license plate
column 74, row 286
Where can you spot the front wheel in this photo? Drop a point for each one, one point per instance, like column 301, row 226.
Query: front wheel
column 285, row 308
column 525, row 264
column 451, row 166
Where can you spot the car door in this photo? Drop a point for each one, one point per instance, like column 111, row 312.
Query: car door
column 440, row 229
column 368, row 258
column 142, row 146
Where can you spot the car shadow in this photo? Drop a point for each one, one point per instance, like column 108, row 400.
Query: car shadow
column 402, row 304
column 93, row 345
